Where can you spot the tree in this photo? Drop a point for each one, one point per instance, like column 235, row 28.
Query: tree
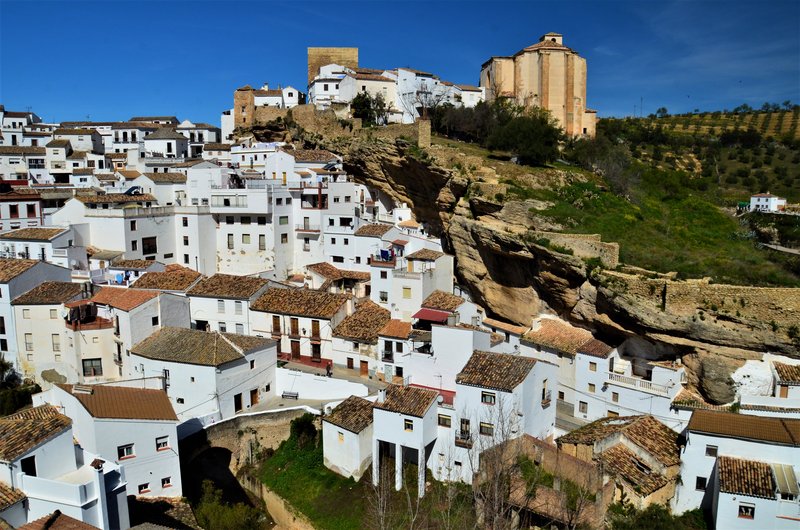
column 423, row 99
column 533, row 137
column 213, row 513
column 362, row 107
column 662, row 112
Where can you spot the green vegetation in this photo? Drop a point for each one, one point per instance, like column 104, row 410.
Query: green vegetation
column 296, row 472
column 371, row 110
column 13, row 394
column 213, row 513
column 654, row 517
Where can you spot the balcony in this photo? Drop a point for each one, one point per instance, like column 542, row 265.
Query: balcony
column 638, row 384
column 307, row 228
column 97, row 324
column 546, row 399
column 463, row 439
column 387, row 357
column 407, row 275
column 382, row 261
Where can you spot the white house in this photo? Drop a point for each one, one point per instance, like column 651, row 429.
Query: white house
column 404, row 428
column 222, row 302
column 209, row 376
column 19, row 207
column 355, row 339
column 347, row 437
column 767, row 202
column 133, row 427
column 713, row 434
column 44, row 470
column 301, row 320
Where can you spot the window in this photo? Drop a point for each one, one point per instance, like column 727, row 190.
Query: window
column 125, row 451
column 3, row 345
column 398, row 347
column 133, row 226
column 162, row 443
column 347, row 198
column 186, row 259
column 240, row 329
column 711, row 450
column 488, row 398
column 13, row 211
column 283, row 220
column 252, row 364
column 179, row 401
column 330, row 221
column 341, row 436
column 245, row 239
column 408, row 425
column 747, row 511
column 592, row 367
column 220, row 306
column 92, row 367
column 166, row 482
column 383, row 296
column 53, row 314
column 149, row 245
column 185, row 221
column 700, row 483
column 337, row 259
column 333, row 241
column 288, row 199
column 583, row 407
column 261, row 220
column 445, row 421
column 592, row 388
column 406, row 292
column 144, row 488
column 230, row 241
column 186, row 240
column 31, row 208
column 29, row 342
column 56, row 339
column 284, row 238
column 561, row 395
column 237, row 307
column 615, row 397
column 384, row 275
column 262, row 242
column 26, row 314
column 245, row 220
column 278, row 201
column 228, row 219
column 336, row 199
column 223, row 327
column 486, row 429
column 154, row 321
column 346, row 241
column 134, row 245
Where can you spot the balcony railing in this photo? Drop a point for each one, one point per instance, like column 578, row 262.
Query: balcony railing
column 637, row 383
column 463, row 439
column 546, row 398
column 307, row 228
column 387, row 357
column 407, row 275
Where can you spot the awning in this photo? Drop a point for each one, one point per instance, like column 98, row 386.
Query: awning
column 400, row 242
column 785, row 477
column 431, row 315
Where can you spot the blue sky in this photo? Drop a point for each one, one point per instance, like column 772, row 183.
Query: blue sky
column 114, row 59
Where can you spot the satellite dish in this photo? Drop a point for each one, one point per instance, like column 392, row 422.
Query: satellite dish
column 440, row 399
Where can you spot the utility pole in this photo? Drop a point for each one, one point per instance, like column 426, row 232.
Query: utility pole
column 641, row 105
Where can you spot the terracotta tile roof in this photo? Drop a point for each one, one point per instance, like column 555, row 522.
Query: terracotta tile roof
column 77, row 155
column 373, row 77
column 154, row 118
column 49, row 293
column 190, row 346
column 113, row 198
column 644, row 431
column 410, row 400
column 331, row 272
column 364, row 324
column 57, row 521
column 228, row 286
column 745, row 477
column 168, row 280
column 166, row 178
column 425, row 254
column 746, row 427
column 58, row 143
column 10, row 268
column 788, row 373
column 498, row 371
column 212, row 146
column 9, row 497
column 504, row 326
column 105, row 177
column 21, row 150
column 33, row 234
column 689, row 400
column 373, row 230
column 622, row 462
column 190, row 163
column 312, row 155
column 164, row 133
column 101, row 254
column 129, row 173
column 122, row 298
column 596, row 348
column 125, row 403
column 132, row 264
column 22, row 431
column 558, row 335
column 74, row 132
column 442, row 301
column 547, row 45
column 323, row 171
column 469, row 88
column 81, row 171
column 300, row 302
column 353, row 414
column 409, row 223
column 396, row 329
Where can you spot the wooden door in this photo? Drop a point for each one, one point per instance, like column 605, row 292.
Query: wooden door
column 364, row 368
column 295, row 324
column 295, row 349
column 784, row 392
column 350, row 363
column 276, row 325
column 254, row 397
column 315, row 328
column 237, row 403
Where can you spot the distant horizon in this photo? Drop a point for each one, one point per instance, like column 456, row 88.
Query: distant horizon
column 186, row 58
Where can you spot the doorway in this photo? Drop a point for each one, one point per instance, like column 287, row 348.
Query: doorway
column 364, row 368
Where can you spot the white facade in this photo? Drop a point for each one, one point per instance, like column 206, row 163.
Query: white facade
column 766, row 202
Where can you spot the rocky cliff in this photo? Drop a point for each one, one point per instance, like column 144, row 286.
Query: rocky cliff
column 516, row 277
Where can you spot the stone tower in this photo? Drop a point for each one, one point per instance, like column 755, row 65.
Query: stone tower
column 318, row 57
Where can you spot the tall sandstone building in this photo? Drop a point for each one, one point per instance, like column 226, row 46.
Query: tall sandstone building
column 547, row 75
column 318, row 57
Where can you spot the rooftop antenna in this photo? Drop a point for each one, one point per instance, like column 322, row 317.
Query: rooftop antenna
column 28, row 109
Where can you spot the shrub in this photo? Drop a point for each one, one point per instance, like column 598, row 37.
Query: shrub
column 213, row 513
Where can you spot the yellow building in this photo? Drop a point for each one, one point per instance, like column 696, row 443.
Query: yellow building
column 548, row 75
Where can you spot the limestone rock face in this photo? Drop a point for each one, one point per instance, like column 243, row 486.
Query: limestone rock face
column 715, row 382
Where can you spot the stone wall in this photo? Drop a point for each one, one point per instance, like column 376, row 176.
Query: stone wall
column 318, row 57
column 584, row 246
column 690, row 297
column 283, row 513
column 424, row 134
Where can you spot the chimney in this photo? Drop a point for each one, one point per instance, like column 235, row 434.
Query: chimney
column 452, row 319
column 536, row 324
column 381, row 395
